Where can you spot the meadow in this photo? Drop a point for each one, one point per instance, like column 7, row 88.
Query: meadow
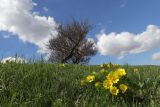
column 59, row 85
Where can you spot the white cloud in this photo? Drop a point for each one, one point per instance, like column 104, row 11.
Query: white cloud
column 13, row 59
column 124, row 43
column 156, row 56
column 45, row 9
column 17, row 17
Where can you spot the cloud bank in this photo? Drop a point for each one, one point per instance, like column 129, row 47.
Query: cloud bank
column 125, row 43
column 18, row 17
column 13, row 59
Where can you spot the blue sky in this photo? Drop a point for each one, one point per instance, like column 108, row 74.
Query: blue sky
column 106, row 15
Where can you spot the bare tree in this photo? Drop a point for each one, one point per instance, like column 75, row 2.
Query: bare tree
column 71, row 44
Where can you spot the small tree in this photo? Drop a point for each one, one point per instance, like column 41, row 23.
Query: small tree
column 71, row 44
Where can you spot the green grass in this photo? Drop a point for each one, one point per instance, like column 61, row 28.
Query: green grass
column 50, row 85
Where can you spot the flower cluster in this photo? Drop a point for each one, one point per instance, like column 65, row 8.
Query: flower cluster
column 112, row 79
column 107, row 78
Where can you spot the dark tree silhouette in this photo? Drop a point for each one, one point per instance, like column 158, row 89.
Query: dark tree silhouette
column 71, row 44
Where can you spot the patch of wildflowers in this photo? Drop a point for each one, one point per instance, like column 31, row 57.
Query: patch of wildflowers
column 90, row 78
column 112, row 74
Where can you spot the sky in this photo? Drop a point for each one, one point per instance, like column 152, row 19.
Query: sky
column 125, row 31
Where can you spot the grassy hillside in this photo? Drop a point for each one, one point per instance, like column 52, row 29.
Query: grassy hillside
column 51, row 85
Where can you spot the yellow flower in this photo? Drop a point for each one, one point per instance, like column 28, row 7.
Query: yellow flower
column 107, row 84
column 114, row 90
column 102, row 71
column 120, row 72
column 108, row 65
column 63, row 65
column 90, row 78
column 94, row 73
column 97, row 84
column 102, row 65
column 123, row 88
column 82, row 82
column 112, row 77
